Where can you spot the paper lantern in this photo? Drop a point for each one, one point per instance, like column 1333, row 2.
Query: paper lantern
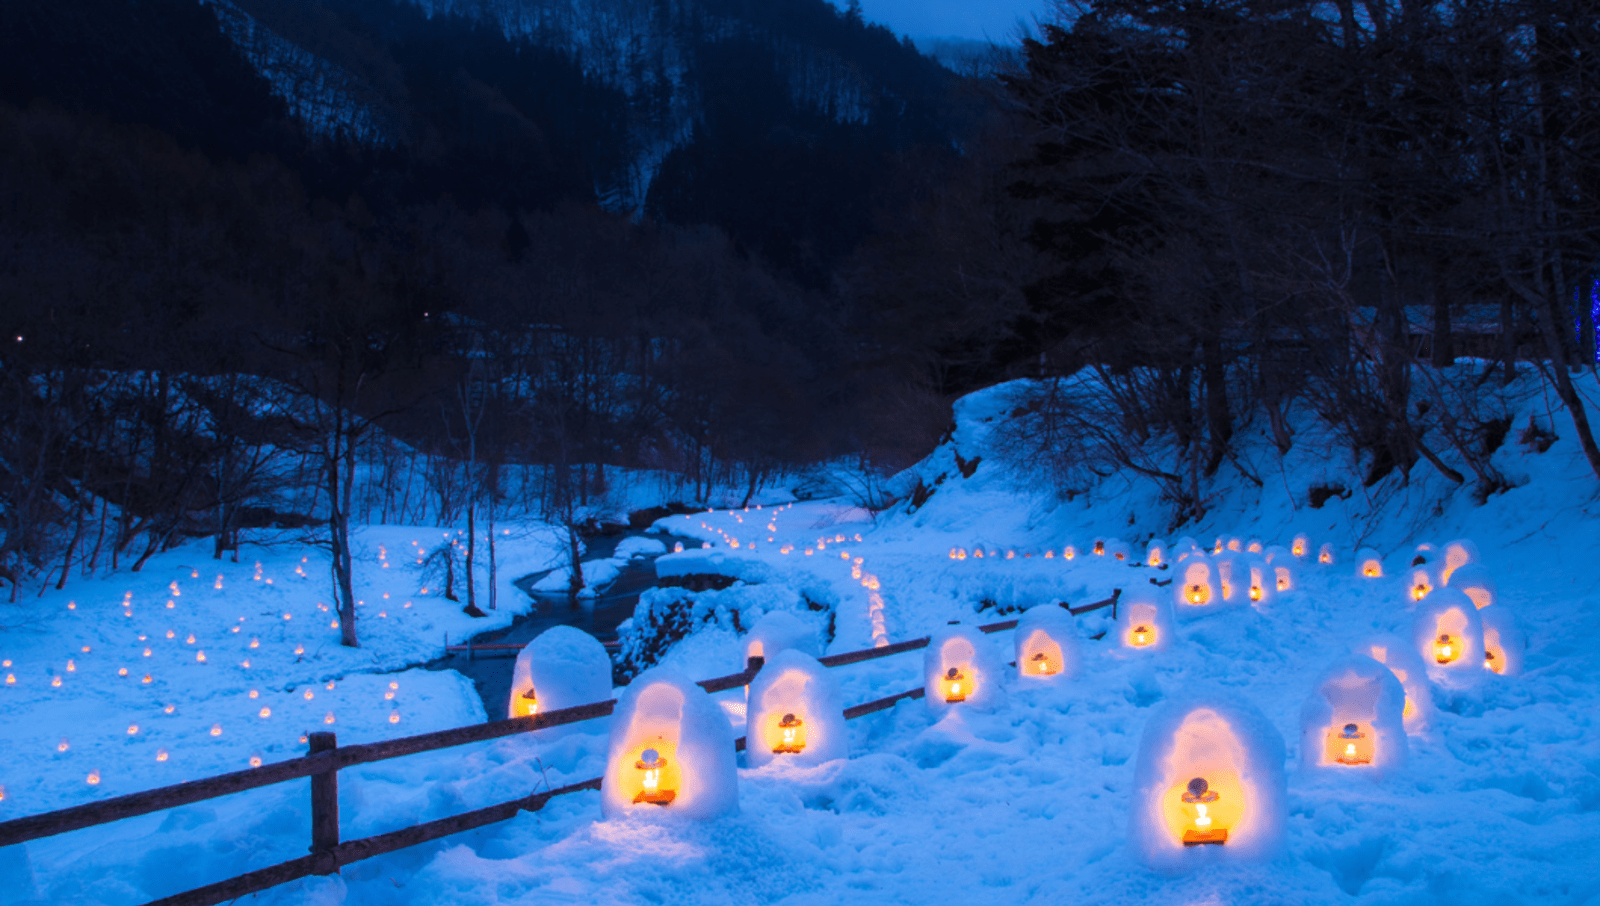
column 1503, row 641
column 562, row 668
column 961, row 669
column 1448, row 635
column 1406, row 666
column 1156, row 553
column 1046, row 643
column 1208, row 784
column 1474, row 581
column 780, row 630
column 671, row 748
column 1456, row 554
column 796, row 713
column 1144, row 621
column 1354, row 718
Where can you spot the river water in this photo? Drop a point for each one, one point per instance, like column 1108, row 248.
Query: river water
column 599, row 616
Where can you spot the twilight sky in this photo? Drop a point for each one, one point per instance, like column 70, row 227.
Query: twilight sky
column 978, row 19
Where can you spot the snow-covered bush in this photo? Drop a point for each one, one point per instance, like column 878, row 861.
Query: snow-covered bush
column 562, row 668
column 962, row 669
column 671, row 749
column 1353, row 719
column 1208, row 785
column 1047, row 643
column 796, row 713
column 664, row 616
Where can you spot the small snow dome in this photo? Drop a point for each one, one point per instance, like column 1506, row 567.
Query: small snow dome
column 1353, row 719
column 1233, row 578
column 1099, row 547
column 1185, row 545
column 1301, row 545
column 778, row 631
column 563, row 668
column 961, row 669
column 1457, row 554
column 1503, row 641
column 1424, row 553
column 1144, row 620
column 671, row 748
column 1448, row 635
column 1208, row 784
column 1069, row 553
column 1198, row 587
column 1254, row 546
column 1156, row 553
column 1408, row 668
column 1474, row 581
column 1325, row 555
column 1234, row 544
column 1368, row 564
column 1282, row 565
column 1260, row 582
column 1047, row 643
column 1119, row 551
column 796, row 713
column 1420, row 582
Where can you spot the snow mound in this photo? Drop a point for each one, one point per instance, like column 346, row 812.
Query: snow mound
column 670, row 752
column 562, row 668
column 1352, row 720
column 796, row 713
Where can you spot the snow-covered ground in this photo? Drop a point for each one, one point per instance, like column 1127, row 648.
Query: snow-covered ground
column 1498, row 803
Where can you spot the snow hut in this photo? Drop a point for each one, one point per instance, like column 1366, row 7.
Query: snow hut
column 671, row 748
column 1325, row 555
column 1255, row 546
column 1503, row 641
column 1353, row 719
column 1119, row 551
column 1208, row 784
column 1368, row 564
column 778, row 631
column 1047, row 643
column 1099, row 547
column 1301, row 545
column 962, row 669
column 1144, row 620
column 1233, row 578
column 1156, row 553
column 1420, row 582
column 1424, row 553
column 1281, row 563
column 1448, row 635
column 796, row 713
column 1417, row 709
column 1474, row 581
column 1199, row 588
column 562, row 668
column 1261, row 583
column 1457, row 554
column 1184, row 546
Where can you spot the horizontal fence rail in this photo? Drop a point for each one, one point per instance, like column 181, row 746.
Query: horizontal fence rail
column 327, row 759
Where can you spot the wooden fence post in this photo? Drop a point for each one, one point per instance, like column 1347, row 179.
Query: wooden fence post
column 325, row 808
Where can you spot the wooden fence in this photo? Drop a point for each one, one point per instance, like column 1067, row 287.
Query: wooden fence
column 327, row 758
